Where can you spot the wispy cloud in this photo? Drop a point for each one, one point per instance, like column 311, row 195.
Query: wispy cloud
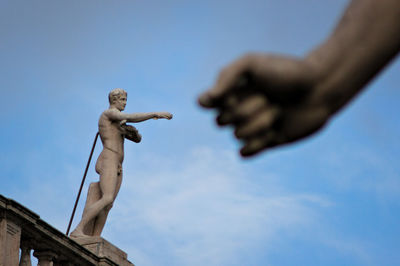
column 362, row 169
column 203, row 211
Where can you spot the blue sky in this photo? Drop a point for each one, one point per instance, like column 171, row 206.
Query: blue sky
column 187, row 198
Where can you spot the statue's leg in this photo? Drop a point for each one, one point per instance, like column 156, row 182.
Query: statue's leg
column 108, row 183
column 94, row 194
column 102, row 217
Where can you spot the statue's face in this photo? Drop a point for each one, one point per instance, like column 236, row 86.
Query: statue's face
column 120, row 102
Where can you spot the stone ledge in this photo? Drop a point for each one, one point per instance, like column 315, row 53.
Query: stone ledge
column 104, row 249
column 38, row 235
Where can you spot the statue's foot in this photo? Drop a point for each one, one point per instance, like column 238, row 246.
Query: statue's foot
column 77, row 234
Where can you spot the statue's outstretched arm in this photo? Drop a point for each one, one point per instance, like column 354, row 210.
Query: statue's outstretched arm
column 136, row 117
column 273, row 100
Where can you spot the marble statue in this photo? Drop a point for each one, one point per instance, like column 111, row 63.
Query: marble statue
column 113, row 130
column 272, row 100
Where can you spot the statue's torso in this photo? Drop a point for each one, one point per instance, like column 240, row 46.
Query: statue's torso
column 111, row 135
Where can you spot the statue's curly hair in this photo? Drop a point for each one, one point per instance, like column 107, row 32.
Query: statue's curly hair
column 115, row 94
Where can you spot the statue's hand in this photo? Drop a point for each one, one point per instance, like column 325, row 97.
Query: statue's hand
column 269, row 100
column 165, row 115
column 131, row 133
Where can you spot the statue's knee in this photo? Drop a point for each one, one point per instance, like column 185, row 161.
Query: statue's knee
column 108, row 200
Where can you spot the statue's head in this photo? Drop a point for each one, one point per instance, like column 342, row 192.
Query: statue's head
column 117, row 97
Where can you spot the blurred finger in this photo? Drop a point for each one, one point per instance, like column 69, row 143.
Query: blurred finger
column 231, row 101
column 225, row 117
column 251, row 105
column 257, row 144
column 258, row 122
column 227, row 114
column 237, row 110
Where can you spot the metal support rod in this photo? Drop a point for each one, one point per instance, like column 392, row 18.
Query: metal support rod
column 83, row 181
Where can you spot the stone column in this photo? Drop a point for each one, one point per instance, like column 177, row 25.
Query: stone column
column 25, row 259
column 10, row 237
column 45, row 257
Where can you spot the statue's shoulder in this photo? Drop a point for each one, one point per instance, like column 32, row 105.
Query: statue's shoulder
column 111, row 115
column 110, row 112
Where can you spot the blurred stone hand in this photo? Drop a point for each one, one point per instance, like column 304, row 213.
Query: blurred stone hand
column 270, row 100
column 273, row 100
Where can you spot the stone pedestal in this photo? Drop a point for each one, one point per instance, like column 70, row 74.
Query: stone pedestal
column 10, row 237
column 104, row 249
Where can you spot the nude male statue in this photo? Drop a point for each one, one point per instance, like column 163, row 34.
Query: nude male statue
column 273, row 100
column 113, row 131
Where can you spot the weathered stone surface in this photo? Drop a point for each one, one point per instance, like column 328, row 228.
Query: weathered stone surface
column 21, row 228
column 104, row 249
column 10, row 237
